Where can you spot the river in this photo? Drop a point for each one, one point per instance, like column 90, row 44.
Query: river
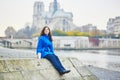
column 109, row 59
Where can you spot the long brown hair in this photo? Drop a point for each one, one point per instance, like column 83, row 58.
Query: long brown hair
column 50, row 34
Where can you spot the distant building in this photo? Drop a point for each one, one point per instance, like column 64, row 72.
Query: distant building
column 17, row 43
column 55, row 18
column 1, row 38
column 113, row 26
column 104, row 32
column 88, row 28
column 73, row 42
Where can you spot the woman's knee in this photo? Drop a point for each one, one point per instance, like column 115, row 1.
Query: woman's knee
column 55, row 55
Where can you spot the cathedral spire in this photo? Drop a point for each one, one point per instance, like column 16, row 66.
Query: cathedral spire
column 55, row 6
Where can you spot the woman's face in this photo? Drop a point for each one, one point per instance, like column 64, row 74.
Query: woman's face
column 46, row 31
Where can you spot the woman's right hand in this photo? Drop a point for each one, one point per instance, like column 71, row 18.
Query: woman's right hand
column 38, row 56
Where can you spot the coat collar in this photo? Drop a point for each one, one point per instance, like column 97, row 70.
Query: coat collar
column 47, row 36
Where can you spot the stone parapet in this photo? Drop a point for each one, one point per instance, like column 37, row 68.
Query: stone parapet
column 41, row 69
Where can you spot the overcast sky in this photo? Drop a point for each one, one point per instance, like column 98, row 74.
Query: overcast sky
column 17, row 13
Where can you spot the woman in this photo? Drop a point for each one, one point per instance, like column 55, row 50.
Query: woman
column 45, row 47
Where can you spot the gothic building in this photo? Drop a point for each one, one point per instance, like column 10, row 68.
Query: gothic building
column 55, row 18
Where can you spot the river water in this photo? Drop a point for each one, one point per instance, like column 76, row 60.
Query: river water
column 109, row 59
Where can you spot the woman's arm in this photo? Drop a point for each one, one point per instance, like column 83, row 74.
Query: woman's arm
column 39, row 46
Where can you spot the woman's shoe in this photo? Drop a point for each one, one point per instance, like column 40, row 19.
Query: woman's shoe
column 65, row 71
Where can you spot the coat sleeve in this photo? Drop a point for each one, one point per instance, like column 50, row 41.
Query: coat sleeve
column 39, row 45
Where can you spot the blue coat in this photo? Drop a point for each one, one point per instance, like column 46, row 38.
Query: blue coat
column 44, row 46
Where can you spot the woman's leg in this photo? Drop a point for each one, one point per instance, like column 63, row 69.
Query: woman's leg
column 59, row 62
column 55, row 62
column 64, row 70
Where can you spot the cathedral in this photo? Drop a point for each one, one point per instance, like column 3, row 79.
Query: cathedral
column 55, row 18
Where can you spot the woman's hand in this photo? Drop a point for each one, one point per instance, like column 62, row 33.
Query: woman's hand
column 38, row 56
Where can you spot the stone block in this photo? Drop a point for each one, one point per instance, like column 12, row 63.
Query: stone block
column 71, row 75
column 32, row 75
column 41, row 64
column 42, row 69
column 75, row 62
column 66, row 62
column 3, row 66
column 73, row 78
column 50, row 74
column 11, row 76
column 83, row 71
column 90, row 77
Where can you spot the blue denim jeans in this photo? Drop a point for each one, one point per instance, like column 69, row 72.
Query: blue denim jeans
column 55, row 62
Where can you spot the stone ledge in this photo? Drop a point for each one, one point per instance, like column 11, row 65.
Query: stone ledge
column 41, row 69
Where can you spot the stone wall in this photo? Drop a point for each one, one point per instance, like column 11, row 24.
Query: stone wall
column 41, row 69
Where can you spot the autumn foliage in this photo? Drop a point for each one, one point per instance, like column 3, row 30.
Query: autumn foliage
column 70, row 33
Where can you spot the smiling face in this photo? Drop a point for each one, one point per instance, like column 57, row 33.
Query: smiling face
column 46, row 31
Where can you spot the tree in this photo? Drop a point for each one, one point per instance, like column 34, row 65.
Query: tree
column 70, row 33
column 10, row 31
column 21, row 35
column 77, row 33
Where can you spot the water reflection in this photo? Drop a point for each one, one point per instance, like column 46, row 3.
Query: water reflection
column 109, row 59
